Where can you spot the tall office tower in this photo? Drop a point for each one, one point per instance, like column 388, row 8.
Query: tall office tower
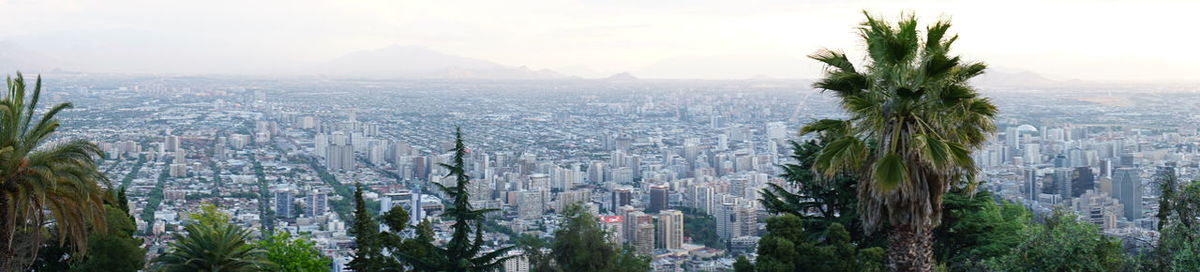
column 339, row 138
column 702, row 199
column 1031, row 188
column 658, row 198
column 284, row 203
column 1062, row 182
column 1010, row 137
column 726, row 219
column 1082, row 180
column 1098, row 208
column 644, row 241
column 746, row 219
column 318, row 203
column 377, row 153
column 621, row 197
column 670, row 229
column 1106, row 167
column 539, row 182
column 531, row 204
column 595, row 172
column 171, row 143
column 1077, row 158
column 1127, row 189
column 340, row 158
column 629, row 229
column 1033, row 154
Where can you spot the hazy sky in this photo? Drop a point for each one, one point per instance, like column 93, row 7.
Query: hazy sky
column 1090, row 40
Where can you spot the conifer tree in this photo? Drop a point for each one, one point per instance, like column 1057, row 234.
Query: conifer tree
column 367, row 253
column 464, row 250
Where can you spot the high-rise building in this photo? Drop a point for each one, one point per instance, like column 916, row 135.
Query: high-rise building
column 621, row 197
column 340, row 158
column 643, row 242
column 1082, row 180
column 658, row 198
column 284, row 204
column 318, row 203
column 1031, row 188
column 171, row 143
column 1098, row 208
column 1062, row 182
column 630, row 215
column 1127, row 188
column 670, row 229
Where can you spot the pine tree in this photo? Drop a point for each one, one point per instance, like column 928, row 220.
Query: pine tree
column 367, row 253
column 463, row 252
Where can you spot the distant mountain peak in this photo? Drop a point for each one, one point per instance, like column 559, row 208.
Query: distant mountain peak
column 411, row 61
column 621, row 76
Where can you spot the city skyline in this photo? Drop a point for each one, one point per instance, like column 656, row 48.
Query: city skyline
column 1089, row 41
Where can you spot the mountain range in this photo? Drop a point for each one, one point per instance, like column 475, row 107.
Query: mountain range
column 416, row 62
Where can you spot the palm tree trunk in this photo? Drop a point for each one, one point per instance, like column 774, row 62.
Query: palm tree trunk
column 910, row 250
column 7, row 254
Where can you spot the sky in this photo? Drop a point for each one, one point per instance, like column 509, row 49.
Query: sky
column 1133, row 41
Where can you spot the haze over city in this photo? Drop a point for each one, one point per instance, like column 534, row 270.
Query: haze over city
column 1062, row 40
column 598, row 136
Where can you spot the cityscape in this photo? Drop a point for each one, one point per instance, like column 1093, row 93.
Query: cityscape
column 646, row 156
column 580, row 136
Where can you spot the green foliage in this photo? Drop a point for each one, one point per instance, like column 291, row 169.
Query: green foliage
column 789, row 247
column 976, row 228
column 743, row 265
column 913, row 120
column 42, row 183
column 1179, row 241
column 702, row 228
column 154, row 198
column 420, row 247
column 209, row 215
column 536, row 252
column 294, row 254
column 368, row 248
column 629, row 261
column 115, row 250
column 1062, row 243
column 463, row 252
column 819, row 200
column 212, row 245
column 582, row 245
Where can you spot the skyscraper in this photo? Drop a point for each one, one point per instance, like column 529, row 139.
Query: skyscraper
column 1082, row 180
column 658, row 198
column 1031, row 188
column 621, row 197
column 284, row 203
column 318, row 203
column 1127, row 189
column 670, row 229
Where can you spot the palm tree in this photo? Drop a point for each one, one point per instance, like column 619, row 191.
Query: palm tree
column 211, row 247
column 913, row 121
column 43, row 183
